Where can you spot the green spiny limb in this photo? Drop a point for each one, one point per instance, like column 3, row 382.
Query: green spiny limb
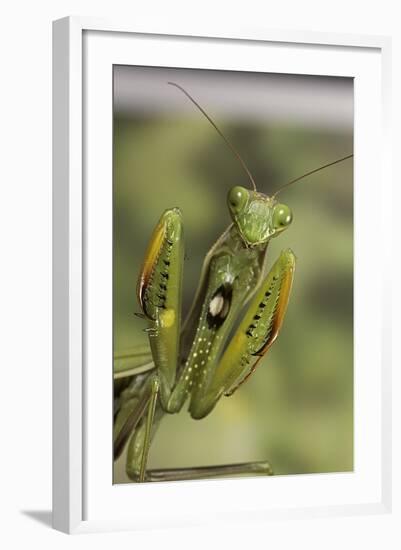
column 206, row 472
column 254, row 336
column 139, row 444
column 130, row 423
column 148, row 427
column 159, row 294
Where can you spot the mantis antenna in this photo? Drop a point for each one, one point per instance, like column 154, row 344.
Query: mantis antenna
column 234, row 150
column 230, row 145
column 309, row 173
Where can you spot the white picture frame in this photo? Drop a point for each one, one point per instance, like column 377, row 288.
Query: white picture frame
column 84, row 50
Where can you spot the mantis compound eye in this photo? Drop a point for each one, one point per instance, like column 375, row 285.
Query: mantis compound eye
column 282, row 216
column 237, row 198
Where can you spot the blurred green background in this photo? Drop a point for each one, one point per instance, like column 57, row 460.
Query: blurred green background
column 297, row 409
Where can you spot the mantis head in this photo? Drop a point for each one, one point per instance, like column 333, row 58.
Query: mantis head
column 257, row 217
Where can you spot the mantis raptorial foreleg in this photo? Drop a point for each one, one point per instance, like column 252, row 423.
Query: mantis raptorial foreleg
column 159, row 294
column 254, row 336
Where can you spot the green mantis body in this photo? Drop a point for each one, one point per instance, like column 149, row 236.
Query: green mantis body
column 236, row 316
column 198, row 370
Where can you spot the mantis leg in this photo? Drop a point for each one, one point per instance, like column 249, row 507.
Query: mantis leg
column 255, row 335
column 205, row 472
column 159, row 292
column 138, row 448
column 148, row 427
column 133, row 404
column 159, row 296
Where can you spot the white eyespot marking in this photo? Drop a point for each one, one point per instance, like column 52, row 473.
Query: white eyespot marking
column 216, row 305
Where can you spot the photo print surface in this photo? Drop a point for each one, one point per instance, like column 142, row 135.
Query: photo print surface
column 244, row 366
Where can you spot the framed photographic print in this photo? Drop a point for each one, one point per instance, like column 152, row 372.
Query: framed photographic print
column 189, row 168
column 213, row 196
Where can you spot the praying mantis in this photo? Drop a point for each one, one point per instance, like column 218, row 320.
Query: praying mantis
column 235, row 318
